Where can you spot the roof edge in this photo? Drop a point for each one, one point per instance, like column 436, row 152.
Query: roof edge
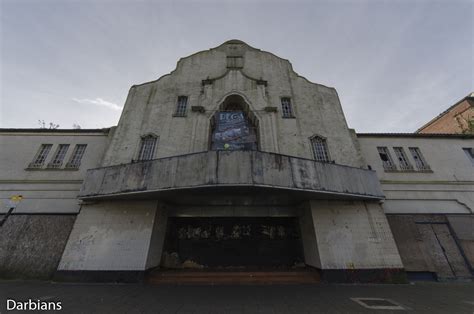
column 469, row 96
column 231, row 41
column 38, row 130
column 421, row 135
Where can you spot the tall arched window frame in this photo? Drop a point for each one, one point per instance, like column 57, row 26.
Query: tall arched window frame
column 147, row 147
column 320, row 148
column 234, row 126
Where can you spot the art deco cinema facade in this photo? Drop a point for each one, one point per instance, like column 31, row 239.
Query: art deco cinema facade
column 231, row 161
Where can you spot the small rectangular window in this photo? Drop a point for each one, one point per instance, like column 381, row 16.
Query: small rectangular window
column 58, row 158
column 181, row 106
column 386, row 158
column 41, row 156
column 147, row 148
column 420, row 161
column 470, row 154
column 76, row 157
column 320, row 149
column 286, row 109
column 402, row 158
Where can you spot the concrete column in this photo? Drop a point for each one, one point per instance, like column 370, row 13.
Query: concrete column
column 110, row 241
column 355, row 242
column 308, row 237
column 157, row 237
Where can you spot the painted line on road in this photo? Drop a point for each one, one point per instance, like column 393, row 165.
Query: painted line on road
column 379, row 304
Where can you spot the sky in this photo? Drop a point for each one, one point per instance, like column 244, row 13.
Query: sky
column 395, row 64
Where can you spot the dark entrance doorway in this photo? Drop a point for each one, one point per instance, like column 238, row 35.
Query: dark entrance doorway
column 216, row 242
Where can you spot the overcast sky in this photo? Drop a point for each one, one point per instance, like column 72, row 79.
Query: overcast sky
column 395, row 64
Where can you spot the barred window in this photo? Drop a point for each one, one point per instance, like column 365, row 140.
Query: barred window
column 402, row 158
column 420, row 161
column 320, row 149
column 41, row 156
column 181, row 106
column 147, row 148
column 58, row 158
column 76, row 157
column 286, row 109
column 386, row 158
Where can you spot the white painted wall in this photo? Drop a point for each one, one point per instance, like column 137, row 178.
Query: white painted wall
column 45, row 190
column 448, row 189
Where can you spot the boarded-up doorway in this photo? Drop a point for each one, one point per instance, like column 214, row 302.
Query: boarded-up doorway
column 446, row 256
column 218, row 242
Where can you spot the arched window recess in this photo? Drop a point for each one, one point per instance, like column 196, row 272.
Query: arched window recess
column 148, row 143
column 234, row 126
column 320, row 148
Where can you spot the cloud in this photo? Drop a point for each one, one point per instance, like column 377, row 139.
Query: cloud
column 98, row 102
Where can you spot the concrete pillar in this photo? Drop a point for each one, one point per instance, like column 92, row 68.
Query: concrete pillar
column 110, row 241
column 157, row 237
column 355, row 242
column 308, row 237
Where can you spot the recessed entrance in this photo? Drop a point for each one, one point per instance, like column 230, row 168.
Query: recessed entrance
column 232, row 242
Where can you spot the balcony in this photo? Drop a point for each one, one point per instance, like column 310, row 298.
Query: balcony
column 244, row 176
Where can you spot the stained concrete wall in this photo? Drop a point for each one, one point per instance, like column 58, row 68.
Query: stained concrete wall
column 439, row 244
column 129, row 235
column 231, row 168
column 463, row 227
column 149, row 107
column 31, row 245
column 224, row 210
column 111, row 236
column 414, row 254
column 353, row 235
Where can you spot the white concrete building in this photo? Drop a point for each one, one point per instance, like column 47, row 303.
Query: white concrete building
column 428, row 183
column 32, row 239
column 232, row 160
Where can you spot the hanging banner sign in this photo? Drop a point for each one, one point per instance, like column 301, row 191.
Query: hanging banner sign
column 233, row 132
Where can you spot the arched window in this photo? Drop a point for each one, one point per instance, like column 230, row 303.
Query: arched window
column 234, row 126
column 147, row 147
column 320, row 148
